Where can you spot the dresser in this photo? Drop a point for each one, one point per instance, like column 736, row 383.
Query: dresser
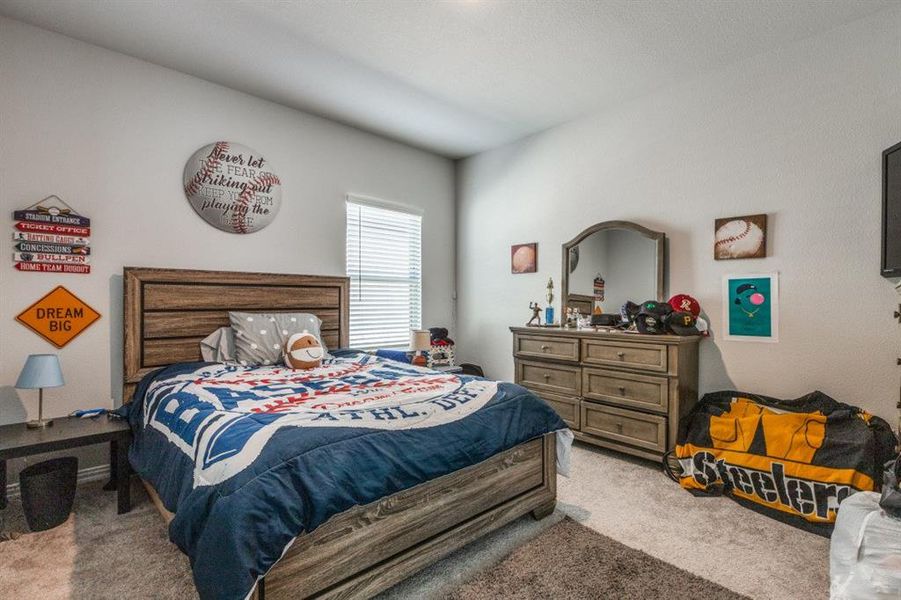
column 617, row 390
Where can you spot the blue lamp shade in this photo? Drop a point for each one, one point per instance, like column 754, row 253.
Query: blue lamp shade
column 40, row 371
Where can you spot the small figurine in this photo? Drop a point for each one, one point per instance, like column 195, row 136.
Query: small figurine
column 536, row 314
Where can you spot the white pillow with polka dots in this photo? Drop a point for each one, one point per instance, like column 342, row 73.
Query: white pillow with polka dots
column 260, row 337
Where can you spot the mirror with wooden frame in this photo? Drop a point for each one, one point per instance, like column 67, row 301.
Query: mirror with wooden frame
column 629, row 258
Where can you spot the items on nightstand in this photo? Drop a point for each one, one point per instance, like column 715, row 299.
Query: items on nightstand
column 420, row 341
column 441, row 350
column 40, row 371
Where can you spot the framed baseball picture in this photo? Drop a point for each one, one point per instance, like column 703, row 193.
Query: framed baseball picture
column 524, row 258
column 740, row 237
column 751, row 307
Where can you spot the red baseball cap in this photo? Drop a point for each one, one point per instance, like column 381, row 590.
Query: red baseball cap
column 685, row 303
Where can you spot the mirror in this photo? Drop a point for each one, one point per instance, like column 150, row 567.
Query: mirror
column 616, row 260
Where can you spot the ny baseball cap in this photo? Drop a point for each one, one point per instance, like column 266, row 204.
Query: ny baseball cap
column 685, row 303
column 683, row 323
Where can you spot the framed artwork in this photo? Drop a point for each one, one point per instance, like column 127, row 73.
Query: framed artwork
column 751, row 307
column 524, row 258
column 740, row 237
column 232, row 187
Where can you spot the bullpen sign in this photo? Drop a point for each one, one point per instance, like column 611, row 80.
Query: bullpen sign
column 58, row 317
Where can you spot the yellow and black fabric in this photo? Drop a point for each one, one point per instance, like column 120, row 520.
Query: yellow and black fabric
column 793, row 459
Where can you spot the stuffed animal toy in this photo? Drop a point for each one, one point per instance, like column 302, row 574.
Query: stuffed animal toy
column 303, row 351
column 439, row 337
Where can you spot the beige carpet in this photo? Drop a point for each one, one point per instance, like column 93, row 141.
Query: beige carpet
column 569, row 560
column 98, row 554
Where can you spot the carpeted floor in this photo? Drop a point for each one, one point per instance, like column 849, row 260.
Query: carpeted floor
column 569, row 560
column 98, row 554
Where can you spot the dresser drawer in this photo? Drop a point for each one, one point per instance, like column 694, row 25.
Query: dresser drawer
column 626, row 426
column 648, row 357
column 629, row 390
column 565, row 406
column 548, row 377
column 536, row 346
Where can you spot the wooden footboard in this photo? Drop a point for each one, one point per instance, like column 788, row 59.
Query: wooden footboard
column 367, row 549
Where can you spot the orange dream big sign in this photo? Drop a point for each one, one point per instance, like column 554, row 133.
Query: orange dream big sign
column 58, row 317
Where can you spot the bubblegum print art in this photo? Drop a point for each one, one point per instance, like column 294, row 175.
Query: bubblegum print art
column 750, row 307
column 232, row 187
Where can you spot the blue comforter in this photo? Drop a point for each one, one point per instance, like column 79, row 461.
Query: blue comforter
column 249, row 458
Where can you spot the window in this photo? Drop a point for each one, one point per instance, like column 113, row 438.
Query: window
column 384, row 263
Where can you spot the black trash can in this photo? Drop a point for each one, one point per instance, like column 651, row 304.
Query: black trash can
column 48, row 491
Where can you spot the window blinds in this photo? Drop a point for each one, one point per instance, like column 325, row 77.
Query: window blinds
column 384, row 263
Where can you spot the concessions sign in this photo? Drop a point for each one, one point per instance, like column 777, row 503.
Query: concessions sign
column 58, row 317
column 50, row 237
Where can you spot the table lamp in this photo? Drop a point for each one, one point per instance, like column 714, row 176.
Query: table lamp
column 40, row 371
column 420, row 341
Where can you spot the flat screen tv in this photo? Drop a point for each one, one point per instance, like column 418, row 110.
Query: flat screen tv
column 891, row 212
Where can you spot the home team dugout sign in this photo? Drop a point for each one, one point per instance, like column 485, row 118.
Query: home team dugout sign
column 50, row 237
column 58, row 317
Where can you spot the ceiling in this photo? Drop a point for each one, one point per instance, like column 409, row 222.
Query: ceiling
column 456, row 76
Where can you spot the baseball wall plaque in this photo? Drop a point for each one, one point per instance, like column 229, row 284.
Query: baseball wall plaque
column 740, row 237
column 232, row 187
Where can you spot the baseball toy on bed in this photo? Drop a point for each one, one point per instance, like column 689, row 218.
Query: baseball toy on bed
column 303, row 351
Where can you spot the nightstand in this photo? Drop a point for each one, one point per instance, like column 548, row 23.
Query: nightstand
column 16, row 441
column 449, row 369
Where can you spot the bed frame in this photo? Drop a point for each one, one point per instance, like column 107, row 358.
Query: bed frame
column 366, row 549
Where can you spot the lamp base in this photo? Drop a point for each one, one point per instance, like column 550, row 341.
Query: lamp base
column 39, row 424
column 420, row 361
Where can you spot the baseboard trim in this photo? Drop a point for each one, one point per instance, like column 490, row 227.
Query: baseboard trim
column 84, row 475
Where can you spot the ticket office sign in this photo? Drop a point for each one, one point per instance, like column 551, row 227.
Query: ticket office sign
column 50, row 237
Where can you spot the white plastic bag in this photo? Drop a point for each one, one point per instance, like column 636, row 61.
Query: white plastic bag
column 865, row 552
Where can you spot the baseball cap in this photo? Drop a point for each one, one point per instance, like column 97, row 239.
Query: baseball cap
column 683, row 323
column 685, row 303
column 629, row 311
column 652, row 316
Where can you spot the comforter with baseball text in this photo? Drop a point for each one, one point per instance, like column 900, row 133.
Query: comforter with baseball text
column 249, row 458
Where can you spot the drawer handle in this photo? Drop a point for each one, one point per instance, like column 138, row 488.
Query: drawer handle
column 621, row 354
column 622, row 390
column 547, row 376
column 545, row 347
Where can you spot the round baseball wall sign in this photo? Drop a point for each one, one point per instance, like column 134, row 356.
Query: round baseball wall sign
column 232, row 187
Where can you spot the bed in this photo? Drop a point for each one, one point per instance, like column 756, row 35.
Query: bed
column 431, row 490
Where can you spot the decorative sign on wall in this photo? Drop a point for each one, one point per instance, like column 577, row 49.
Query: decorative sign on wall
column 50, row 237
column 232, row 187
column 751, row 307
column 58, row 317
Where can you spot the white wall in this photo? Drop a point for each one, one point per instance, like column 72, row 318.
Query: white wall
column 110, row 135
column 795, row 133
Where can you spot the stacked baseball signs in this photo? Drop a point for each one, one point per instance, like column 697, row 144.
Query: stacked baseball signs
column 50, row 237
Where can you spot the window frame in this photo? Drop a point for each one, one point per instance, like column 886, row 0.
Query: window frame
column 388, row 205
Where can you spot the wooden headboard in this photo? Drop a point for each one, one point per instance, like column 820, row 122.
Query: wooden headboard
column 168, row 311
